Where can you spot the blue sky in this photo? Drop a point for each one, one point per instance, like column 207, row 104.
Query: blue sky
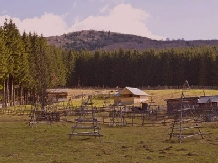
column 156, row 19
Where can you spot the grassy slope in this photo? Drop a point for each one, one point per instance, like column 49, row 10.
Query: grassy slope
column 158, row 96
column 50, row 144
column 20, row 143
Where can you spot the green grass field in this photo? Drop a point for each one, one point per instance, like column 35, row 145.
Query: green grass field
column 128, row 144
column 50, row 144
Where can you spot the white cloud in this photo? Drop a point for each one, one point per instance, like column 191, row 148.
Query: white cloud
column 104, row 9
column 123, row 18
column 47, row 25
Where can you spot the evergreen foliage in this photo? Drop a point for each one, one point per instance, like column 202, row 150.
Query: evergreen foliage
column 28, row 62
column 151, row 67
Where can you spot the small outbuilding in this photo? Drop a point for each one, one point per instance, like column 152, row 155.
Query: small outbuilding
column 175, row 104
column 130, row 96
column 208, row 101
column 208, row 105
column 57, row 95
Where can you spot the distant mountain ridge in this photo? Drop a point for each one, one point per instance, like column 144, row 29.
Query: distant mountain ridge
column 106, row 40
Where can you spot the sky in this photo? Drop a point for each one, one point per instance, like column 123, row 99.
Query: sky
column 155, row 19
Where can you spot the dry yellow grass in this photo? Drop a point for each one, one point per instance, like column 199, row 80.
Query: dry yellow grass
column 157, row 96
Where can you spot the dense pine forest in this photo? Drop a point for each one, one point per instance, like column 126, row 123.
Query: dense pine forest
column 29, row 65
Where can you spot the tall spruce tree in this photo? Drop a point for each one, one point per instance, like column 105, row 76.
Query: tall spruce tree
column 16, row 59
column 4, row 56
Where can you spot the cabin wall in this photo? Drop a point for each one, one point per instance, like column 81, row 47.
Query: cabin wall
column 117, row 100
column 57, row 97
column 129, row 99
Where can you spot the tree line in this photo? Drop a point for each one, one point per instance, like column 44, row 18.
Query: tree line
column 29, row 66
column 197, row 65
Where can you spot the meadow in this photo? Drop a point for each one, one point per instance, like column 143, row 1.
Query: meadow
column 157, row 96
column 45, row 143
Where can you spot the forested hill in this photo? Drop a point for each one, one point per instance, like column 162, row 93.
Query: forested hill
column 102, row 40
column 30, row 65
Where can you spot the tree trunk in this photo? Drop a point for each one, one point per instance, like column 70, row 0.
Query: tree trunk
column 20, row 95
column 4, row 93
column 7, row 92
column 25, row 97
column 12, row 93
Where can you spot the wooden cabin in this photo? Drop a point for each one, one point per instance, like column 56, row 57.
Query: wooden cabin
column 175, row 104
column 208, row 105
column 57, row 95
column 130, row 96
column 208, row 101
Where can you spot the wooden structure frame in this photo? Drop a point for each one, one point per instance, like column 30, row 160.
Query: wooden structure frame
column 181, row 123
column 86, row 124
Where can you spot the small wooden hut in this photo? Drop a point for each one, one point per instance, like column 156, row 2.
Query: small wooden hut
column 175, row 104
column 208, row 107
column 208, row 101
column 130, row 96
column 57, row 95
